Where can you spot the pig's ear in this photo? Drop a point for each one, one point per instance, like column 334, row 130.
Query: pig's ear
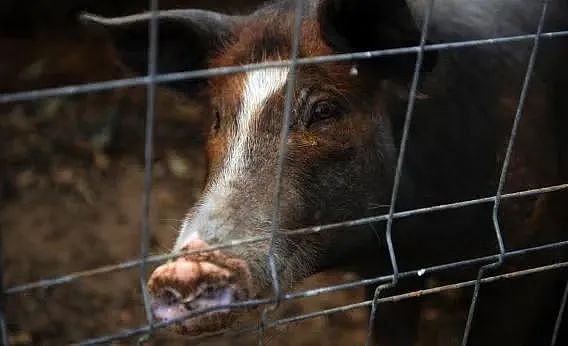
column 187, row 38
column 365, row 25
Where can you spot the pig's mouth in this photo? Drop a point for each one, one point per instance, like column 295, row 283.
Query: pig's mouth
column 187, row 291
column 191, row 311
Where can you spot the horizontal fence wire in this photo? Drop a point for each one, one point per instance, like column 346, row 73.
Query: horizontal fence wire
column 150, row 82
column 179, row 76
column 251, row 240
column 127, row 333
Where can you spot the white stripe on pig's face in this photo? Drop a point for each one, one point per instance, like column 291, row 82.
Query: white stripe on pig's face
column 258, row 87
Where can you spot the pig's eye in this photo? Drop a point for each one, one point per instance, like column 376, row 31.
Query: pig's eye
column 323, row 111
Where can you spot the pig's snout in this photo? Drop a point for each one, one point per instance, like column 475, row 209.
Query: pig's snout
column 196, row 282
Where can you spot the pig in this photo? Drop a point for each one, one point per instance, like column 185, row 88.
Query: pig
column 345, row 131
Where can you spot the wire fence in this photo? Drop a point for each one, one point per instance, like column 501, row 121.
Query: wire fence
column 487, row 263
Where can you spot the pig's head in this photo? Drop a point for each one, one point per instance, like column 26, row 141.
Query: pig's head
column 340, row 149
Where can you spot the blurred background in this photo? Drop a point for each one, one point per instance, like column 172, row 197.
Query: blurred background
column 71, row 182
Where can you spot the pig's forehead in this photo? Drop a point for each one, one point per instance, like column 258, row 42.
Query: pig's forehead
column 269, row 38
column 260, row 38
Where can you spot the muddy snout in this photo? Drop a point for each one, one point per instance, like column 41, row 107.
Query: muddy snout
column 193, row 283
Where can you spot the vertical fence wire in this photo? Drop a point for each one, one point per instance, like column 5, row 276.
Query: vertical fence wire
column 503, row 177
column 3, row 326
column 398, row 171
column 148, row 158
column 282, row 153
column 559, row 317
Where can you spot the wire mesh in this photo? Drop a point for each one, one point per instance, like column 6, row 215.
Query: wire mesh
column 60, row 280
column 148, row 160
column 398, row 171
column 3, row 327
column 410, row 295
column 282, row 153
column 504, row 170
column 561, row 310
column 219, row 71
column 488, row 262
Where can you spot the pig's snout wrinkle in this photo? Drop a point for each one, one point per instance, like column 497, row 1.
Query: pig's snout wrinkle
column 183, row 288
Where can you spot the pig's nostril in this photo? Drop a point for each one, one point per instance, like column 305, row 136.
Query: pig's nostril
column 209, row 292
column 171, row 296
column 190, row 305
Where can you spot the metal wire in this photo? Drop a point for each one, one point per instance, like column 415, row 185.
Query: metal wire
column 558, row 322
column 419, row 293
column 178, row 76
column 329, row 289
column 398, row 171
column 148, row 161
column 344, row 308
column 505, row 168
column 282, row 153
column 46, row 283
column 391, row 299
column 3, row 327
column 415, row 294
